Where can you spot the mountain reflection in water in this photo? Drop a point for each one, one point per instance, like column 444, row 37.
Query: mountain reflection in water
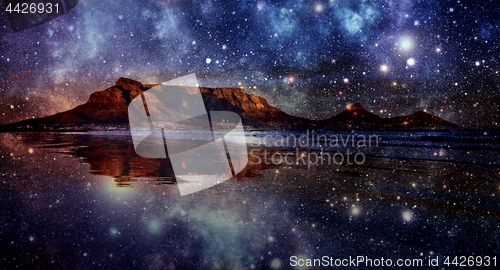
column 112, row 154
column 413, row 198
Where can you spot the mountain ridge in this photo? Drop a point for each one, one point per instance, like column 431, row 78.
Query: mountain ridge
column 109, row 107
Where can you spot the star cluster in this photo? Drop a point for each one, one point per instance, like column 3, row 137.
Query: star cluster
column 309, row 58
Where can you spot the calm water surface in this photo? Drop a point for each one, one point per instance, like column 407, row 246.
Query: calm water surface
column 86, row 201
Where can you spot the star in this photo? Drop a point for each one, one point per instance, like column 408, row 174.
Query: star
column 411, row 62
column 318, row 7
column 325, row 43
column 384, row 68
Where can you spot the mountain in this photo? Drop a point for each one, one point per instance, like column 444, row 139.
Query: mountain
column 356, row 117
column 253, row 110
column 109, row 108
column 418, row 119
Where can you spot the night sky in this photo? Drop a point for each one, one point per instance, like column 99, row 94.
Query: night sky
column 309, row 58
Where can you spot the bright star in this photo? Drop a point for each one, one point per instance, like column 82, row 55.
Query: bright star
column 318, row 7
column 411, row 62
column 384, row 68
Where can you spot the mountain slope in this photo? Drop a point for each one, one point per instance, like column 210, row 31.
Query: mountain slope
column 418, row 119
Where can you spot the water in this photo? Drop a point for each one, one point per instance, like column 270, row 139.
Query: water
column 87, row 201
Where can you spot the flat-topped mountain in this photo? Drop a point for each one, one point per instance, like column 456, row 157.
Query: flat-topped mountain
column 109, row 107
column 254, row 110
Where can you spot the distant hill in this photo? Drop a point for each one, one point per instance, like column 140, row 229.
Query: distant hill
column 356, row 117
column 109, row 108
column 418, row 119
column 353, row 117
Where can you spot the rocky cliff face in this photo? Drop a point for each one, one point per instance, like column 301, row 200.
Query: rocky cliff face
column 238, row 98
column 106, row 106
column 121, row 93
column 254, row 110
